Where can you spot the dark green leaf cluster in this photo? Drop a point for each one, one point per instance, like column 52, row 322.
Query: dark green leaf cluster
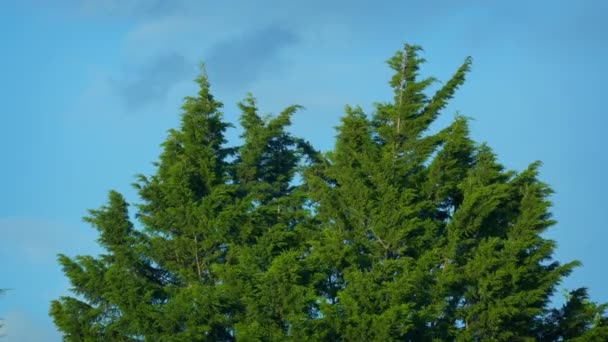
column 395, row 234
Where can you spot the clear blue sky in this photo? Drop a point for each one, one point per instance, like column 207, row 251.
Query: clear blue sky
column 88, row 89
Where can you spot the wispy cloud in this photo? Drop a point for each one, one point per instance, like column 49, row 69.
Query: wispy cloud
column 149, row 83
column 37, row 241
column 19, row 326
column 233, row 62
column 239, row 61
column 178, row 32
column 127, row 8
column 28, row 249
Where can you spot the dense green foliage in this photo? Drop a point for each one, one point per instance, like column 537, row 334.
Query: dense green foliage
column 395, row 234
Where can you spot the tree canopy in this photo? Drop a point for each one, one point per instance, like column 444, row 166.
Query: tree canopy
column 397, row 233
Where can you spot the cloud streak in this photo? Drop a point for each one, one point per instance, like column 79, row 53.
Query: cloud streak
column 38, row 241
column 127, row 8
column 234, row 62
column 151, row 82
column 20, row 326
column 239, row 61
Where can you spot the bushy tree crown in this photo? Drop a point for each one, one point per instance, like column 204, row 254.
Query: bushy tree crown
column 395, row 234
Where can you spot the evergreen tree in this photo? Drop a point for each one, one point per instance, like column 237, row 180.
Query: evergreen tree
column 217, row 258
column 425, row 236
column 396, row 234
column 578, row 319
column 266, row 272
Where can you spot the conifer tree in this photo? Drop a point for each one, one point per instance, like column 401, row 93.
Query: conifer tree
column 578, row 319
column 371, row 194
column 265, row 270
column 217, row 258
column 426, row 236
column 395, row 234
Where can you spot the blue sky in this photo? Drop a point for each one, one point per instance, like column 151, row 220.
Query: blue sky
column 90, row 87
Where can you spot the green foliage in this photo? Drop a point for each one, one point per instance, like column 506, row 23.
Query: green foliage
column 395, row 234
